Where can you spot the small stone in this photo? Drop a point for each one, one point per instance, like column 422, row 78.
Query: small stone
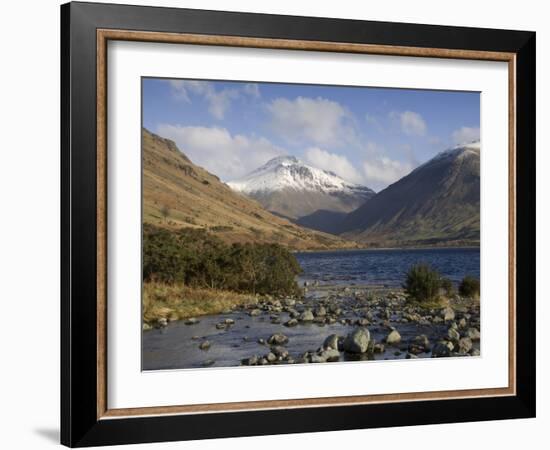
column 411, row 356
column 453, row 334
column 448, row 314
column 279, row 351
column 379, row 348
column 306, row 316
column 162, row 322
column 271, row 357
column 331, row 355
column 229, row 321
column 473, row 334
column 441, row 350
column 191, row 321
column 205, row 345
column 252, row 361
column 277, row 339
column 208, row 363
column 465, row 345
column 146, row 327
column 291, row 323
column 254, row 312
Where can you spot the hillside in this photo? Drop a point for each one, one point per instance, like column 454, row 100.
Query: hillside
column 290, row 188
column 436, row 204
column 178, row 193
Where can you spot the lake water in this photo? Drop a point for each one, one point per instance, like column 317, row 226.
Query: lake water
column 385, row 267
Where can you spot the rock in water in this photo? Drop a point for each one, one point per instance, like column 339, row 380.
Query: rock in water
column 306, row 316
column 331, row 355
column 277, row 339
column 357, row 341
column 205, row 345
column 291, row 323
column 393, row 338
column 331, row 342
column 192, row 321
column 161, row 322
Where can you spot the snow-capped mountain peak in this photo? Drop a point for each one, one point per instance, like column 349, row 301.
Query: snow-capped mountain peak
column 288, row 172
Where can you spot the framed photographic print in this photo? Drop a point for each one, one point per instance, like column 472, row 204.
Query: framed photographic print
column 277, row 224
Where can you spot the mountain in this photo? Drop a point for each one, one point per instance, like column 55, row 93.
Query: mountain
column 436, row 204
column 289, row 188
column 178, row 193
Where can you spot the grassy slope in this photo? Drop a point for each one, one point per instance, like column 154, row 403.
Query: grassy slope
column 196, row 198
column 437, row 204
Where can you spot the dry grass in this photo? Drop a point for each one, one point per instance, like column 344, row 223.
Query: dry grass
column 175, row 302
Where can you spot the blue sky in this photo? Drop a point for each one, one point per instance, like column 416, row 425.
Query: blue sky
column 371, row 136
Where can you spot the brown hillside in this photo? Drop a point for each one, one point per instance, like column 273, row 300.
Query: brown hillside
column 177, row 193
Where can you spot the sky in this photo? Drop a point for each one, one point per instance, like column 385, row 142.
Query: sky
column 369, row 136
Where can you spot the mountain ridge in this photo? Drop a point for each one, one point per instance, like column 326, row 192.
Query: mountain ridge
column 288, row 187
column 436, row 203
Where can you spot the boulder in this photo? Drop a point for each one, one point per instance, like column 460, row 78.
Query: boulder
column 331, row 342
column 357, row 341
column 393, row 338
column 192, row 321
column 306, row 316
column 277, row 339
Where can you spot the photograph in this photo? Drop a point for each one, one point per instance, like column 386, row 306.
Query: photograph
column 295, row 223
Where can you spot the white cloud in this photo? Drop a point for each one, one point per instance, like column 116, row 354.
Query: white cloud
column 316, row 120
column 465, row 135
column 379, row 170
column 382, row 171
column 218, row 151
column 411, row 123
column 219, row 101
column 338, row 164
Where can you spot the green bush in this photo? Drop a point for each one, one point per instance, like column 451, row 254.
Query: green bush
column 422, row 283
column 199, row 259
column 469, row 287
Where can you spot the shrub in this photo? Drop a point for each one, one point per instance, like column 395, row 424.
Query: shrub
column 422, row 283
column 469, row 287
column 199, row 259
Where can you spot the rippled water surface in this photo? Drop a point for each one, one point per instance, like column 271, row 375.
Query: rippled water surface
column 385, row 267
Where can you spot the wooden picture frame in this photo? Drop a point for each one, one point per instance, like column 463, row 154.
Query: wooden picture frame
column 86, row 418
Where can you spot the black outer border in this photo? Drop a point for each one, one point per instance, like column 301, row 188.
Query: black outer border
column 79, row 425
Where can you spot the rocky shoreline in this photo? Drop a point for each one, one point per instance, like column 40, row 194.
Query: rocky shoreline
column 370, row 322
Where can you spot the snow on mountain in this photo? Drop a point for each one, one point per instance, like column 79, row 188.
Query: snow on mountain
column 288, row 172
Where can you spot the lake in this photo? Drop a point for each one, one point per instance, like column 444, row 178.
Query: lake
column 385, row 267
